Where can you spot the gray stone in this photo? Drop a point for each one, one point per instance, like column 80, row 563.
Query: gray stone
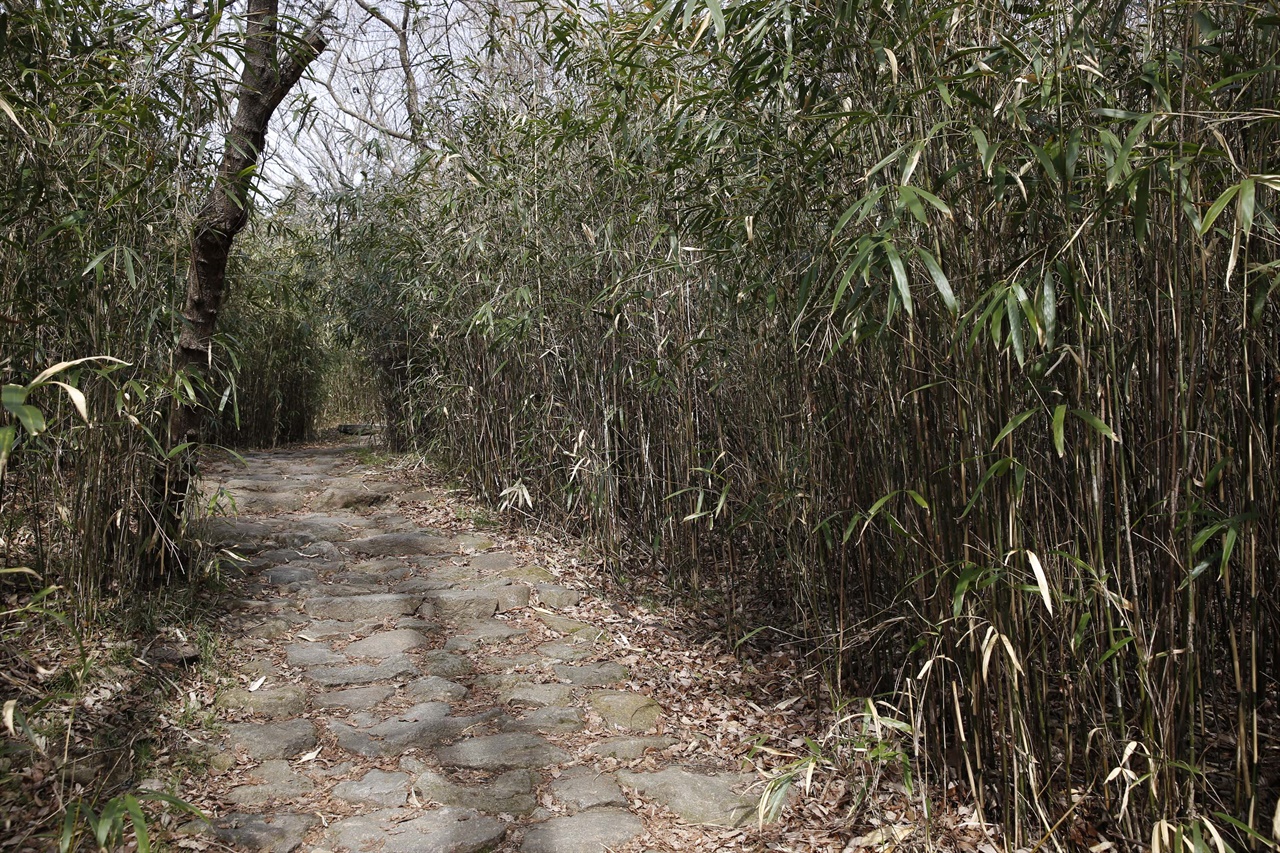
column 571, row 626
column 487, row 632
column 312, row 654
column 495, row 562
column 279, row 782
column 462, row 604
column 587, row 789
column 511, row 596
column 567, row 649
column 423, row 725
column 421, row 586
column 355, row 699
column 433, row 688
column 536, row 695
column 350, row 608
column 594, row 831
column 287, row 574
column 507, row 751
column 273, row 740
column 629, row 748
column 273, row 702
column 276, row 833
column 386, row 644
column 446, row 664
column 401, row 544
column 375, row 788
column 558, row 597
column 592, row 674
column 363, row 673
column 528, row 574
column 468, row 542
column 550, row 720
column 510, row 793
column 696, row 797
column 620, row 709
column 447, row 830
column 332, row 629
column 348, row 497
column 269, row 629
column 378, row 567
column 254, row 503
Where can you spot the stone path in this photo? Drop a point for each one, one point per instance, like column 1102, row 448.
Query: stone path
column 404, row 689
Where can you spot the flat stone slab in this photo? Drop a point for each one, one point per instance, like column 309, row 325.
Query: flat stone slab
column 333, row 629
column 447, row 830
column 629, row 748
column 446, row 664
column 568, row 650
column 287, row 574
column 278, row 782
column 592, row 674
column 312, row 654
column 622, row 710
column 555, row 596
column 530, row 574
column 511, row 596
column 461, row 604
column 273, row 702
column 587, row 789
column 549, row 720
column 487, row 632
column 348, row 497
column 510, row 793
column 287, row 739
column 594, row 831
column 537, row 695
column 509, row 751
column 433, row 688
column 363, row 673
column 375, row 788
column 401, row 544
column 424, row 725
column 354, row 699
column 267, row 502
column 572, row 627
column 275, row 833
column 386, row 644
column 696, row 797
column 352, row 608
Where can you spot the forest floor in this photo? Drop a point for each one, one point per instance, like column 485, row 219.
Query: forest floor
column 389, row 668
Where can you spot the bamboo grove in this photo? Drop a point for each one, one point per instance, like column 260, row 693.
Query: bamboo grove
column 948, row 328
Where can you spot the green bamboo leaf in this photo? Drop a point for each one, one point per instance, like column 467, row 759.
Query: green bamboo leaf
column 1217, row 207
column 717, row 17
column 899, row 275
column 139, row 821
column 1014, row 422
column 939, row 280
column 1095, row 422
column 998, row 468
column 1059, row 423
column 1245, row 206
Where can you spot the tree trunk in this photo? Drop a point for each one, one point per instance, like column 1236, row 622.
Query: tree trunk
column 271, row 69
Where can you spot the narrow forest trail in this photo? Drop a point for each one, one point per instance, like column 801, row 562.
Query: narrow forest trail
column 394, row 685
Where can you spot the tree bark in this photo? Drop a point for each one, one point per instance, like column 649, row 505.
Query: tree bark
column 273, row 63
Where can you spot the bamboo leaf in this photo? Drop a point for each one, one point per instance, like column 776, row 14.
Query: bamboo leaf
column 1217, row 207
column 1059, row 423
column 939, row 280
column 899, row 275
column 1041, row 580
column 1014, row 422
column 1097, row 423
